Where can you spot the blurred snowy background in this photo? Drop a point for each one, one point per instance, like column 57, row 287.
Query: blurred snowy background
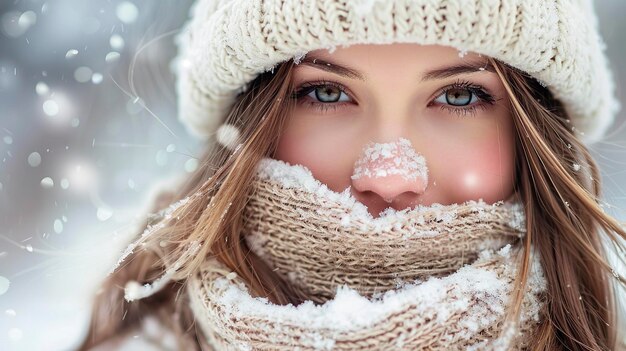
column 88, row 125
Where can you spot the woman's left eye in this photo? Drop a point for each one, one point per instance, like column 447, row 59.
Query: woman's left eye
column 457, row 97
column 463, row 98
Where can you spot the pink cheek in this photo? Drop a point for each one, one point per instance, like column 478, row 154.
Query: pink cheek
column 329, row 163
column 479, row 173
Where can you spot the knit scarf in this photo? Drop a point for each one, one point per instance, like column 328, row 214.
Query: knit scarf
column 433, row 277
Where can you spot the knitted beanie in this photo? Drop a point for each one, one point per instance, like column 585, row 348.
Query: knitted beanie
column 228, row 43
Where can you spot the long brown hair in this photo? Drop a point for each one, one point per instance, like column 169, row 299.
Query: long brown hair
column 565, row 223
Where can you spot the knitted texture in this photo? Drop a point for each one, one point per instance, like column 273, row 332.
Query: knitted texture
column 230, row 42
column 317, row 247
column 433, row 278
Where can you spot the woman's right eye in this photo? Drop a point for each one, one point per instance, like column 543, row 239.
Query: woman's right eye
column 323, row 96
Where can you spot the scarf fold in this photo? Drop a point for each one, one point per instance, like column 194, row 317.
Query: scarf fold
column 432, row 277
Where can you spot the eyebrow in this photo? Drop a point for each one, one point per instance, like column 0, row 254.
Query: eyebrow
column 332, row 68
column 439, row 73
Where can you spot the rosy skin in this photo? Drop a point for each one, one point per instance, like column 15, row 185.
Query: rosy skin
column 468, row 142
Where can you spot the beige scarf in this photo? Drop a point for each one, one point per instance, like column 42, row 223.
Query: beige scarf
column 434, row 277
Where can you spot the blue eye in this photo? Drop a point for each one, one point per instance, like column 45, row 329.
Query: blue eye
column 328, row 93
column 463, row 98
column 457, row 97
column 323, row 95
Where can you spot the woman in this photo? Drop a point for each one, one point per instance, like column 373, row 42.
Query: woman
column 435, row 192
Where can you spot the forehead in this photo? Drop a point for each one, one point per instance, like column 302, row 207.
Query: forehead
column 395, row 61
column 398, row 55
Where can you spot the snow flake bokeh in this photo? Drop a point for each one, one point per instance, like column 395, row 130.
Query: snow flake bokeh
column 88, row 130
column 81, row 155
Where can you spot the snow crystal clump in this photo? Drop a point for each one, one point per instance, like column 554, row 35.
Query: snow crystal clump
column 385, row 159
column 518, row 218
column 363, row 8
column 162, row 217
column 134, row 291
column 297, row 58
column 257, row 244
column 436, row 299
column 71, row 53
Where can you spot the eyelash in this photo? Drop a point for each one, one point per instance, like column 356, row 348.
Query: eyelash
column 481, row 93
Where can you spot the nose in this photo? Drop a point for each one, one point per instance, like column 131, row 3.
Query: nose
column 390, row 170
column 390, row 187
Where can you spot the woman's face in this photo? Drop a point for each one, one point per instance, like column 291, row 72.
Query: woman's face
column 450, row 106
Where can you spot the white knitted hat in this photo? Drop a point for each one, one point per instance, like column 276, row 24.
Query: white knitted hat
column 228, row 43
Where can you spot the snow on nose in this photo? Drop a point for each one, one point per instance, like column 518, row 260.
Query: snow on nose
column 390, row 169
